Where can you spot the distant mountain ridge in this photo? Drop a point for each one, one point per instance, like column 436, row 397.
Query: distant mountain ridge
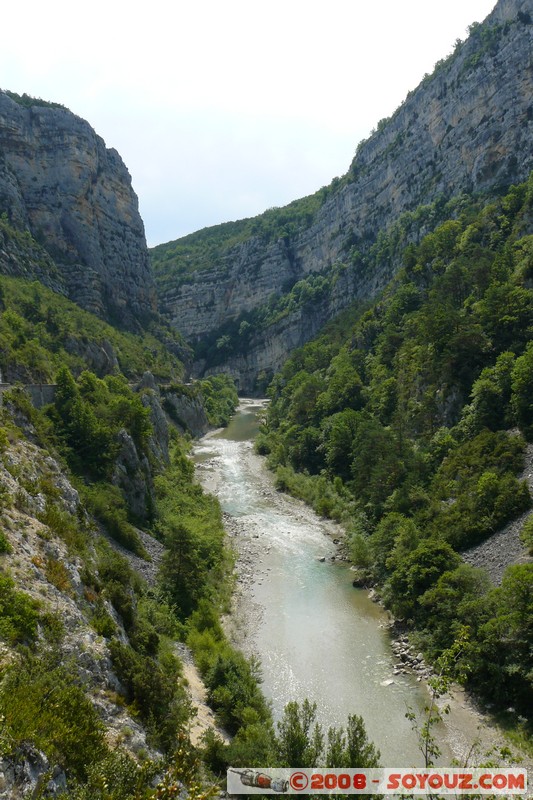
column 59, row 182
column 466, row 129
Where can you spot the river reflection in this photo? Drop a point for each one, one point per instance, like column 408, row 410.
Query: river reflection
column 315, row 635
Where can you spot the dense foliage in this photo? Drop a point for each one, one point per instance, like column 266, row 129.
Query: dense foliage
column 220, row 399
column 87, row 416
column 46, row 702
column 411, row 428
column 40, row 331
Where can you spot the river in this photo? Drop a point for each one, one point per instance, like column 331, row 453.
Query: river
column 296, row 609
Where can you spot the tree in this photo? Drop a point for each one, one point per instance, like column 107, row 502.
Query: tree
column 376, row 468
column 439, row 685
column 182, row 570
column 306, row 389
column 506, row 313
column 506, row 640
column 343, row 384
column 304, row 449
column 491, row 394
column 522, row 392
column 393, row 528
column 458, row 599
column 300, row 740
column 338, row 433
column 359, row 750
column 417, row 573
column 67, row 391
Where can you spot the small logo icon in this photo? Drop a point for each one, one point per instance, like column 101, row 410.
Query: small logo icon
column 260, row 780
column 299, row 781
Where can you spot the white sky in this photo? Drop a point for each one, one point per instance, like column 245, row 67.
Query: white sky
column 223, row 109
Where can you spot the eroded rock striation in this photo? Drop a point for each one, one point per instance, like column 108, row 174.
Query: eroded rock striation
column 60, row 183
column 465, row 129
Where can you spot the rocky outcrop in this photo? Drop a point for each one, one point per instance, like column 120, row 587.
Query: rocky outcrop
column 467, row 128
column 27, row 773
column 186, row 410
column 133, row 476
column 59, row 182
column 21, row 256
column 134, row 471
column 99, row 357
column 267, row 350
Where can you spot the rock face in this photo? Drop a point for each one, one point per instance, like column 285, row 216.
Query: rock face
column 59, row 182
column 467, row 128
column 186, row 411
column 132, row 474
column 134, row 471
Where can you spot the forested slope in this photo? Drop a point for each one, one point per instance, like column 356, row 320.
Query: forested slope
column 106, row 549
column 410, row 425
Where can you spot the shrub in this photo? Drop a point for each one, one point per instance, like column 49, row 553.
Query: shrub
column 102, row 622
column 154, row 689
column 63, row 525
column 107, row 504
column 5, row 498
column 18, row 613
column 123, row 602
column 262, row 444
column 41, row 702
column 233, row 688
column 5, row 547
column 4, row 440
column 57, row 574
column 118, row 776
column 527, row 534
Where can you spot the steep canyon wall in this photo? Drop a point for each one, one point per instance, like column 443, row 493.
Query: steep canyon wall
column 465, row 129
column 60, row 183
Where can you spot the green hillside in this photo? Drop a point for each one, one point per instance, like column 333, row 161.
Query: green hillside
column 41, row 330
column 411, row 427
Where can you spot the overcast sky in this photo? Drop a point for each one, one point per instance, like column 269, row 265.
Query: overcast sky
column 223, row 109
